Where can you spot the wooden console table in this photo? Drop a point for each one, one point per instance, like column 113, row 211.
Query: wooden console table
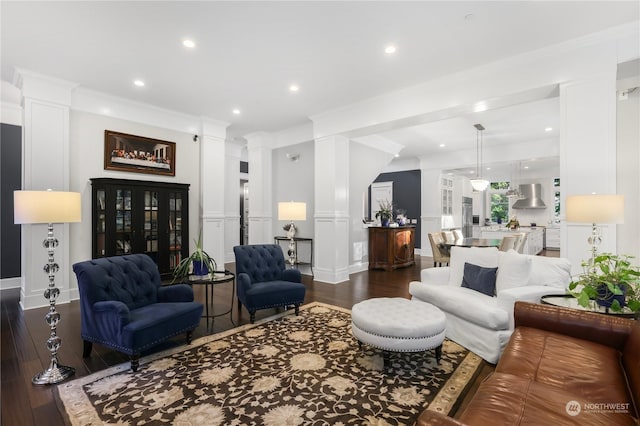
column 391, row 248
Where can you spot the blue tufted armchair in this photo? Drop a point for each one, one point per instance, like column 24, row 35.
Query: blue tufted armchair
column 263, row 280
column 124, row 307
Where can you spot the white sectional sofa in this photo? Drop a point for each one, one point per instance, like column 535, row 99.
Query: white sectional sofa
column 483, row 323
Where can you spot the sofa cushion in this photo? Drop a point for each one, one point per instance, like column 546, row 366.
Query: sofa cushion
column 464, row 303
column 513, row 270
column 550, row 271
column 479, row 279
column 487, row 257
column 583, row 368
column 505, row 399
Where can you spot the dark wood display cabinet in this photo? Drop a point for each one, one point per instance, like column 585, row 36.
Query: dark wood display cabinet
column 134, row 216
column 391, row 248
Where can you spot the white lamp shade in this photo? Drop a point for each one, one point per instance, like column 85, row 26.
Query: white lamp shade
column 595, row 208
column 46, row 207
column 479, row 184
column 292, row 211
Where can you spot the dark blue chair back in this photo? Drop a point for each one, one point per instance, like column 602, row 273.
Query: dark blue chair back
column 262, row 262
column 131, row 279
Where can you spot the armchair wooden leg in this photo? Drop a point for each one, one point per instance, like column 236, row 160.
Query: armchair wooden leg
column 86, row 349
column 252, row 316
column 135, row 362
column 297, row 306
column 189, row 336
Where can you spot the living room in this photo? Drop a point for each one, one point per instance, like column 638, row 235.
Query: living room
column 341, row 148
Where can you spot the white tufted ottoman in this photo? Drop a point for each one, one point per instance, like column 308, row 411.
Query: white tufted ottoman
column 398, row 325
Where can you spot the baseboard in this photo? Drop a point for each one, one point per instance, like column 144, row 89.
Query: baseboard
column 7, row 283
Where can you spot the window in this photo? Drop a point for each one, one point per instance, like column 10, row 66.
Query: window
column 499, row 202
column 556, row 199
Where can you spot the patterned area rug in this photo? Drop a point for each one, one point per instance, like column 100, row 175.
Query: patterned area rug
column 284, row 370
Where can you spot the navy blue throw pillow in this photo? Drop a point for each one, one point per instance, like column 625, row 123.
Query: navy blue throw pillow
column 480, row 279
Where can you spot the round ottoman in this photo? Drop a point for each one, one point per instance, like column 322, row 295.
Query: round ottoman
column 398, row 325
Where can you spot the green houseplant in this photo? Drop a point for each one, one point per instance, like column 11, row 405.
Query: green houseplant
column 198, row 263
column 385, row 212
column 611, row 281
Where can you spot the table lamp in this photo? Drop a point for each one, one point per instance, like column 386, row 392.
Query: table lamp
column 49, row 207
column 292, row 211
column 595, row 209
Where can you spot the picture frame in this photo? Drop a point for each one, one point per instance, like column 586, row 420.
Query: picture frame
column 138, row 154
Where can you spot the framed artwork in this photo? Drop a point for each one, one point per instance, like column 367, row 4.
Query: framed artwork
column 137, row 154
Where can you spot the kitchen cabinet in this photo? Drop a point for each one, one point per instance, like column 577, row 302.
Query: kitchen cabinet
column 133, row 216
column 391, row 248
column 553, row 239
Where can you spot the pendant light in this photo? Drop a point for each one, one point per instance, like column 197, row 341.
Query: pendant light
column 479, row 184
column 514, row 189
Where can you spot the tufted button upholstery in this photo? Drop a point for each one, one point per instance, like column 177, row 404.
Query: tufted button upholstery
column 263, row 280
column 124, row 306
column 398, row 324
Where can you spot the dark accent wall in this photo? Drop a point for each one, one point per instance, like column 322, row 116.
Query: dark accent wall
column 406, row 194
column 10, row 180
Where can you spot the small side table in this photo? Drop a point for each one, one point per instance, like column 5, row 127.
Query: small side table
column 568, row 301
column 219, row 277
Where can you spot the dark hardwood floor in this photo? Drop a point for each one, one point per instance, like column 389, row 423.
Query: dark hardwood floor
column 24, row 333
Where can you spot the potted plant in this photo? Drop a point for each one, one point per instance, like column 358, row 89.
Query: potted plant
column 385, row 214
column 611, row 281
column 198, row 263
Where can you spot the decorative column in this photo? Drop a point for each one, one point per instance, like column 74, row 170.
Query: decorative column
column 430, row 206
column 45, row 104
column 331, row 239
column 587, row 156
column 259, row 146
column 212, row 190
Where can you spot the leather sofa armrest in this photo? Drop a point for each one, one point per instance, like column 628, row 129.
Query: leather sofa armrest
column 292, row 275
column 433, row 418
column 175, row 293
column 607, row 330
column 435, row 275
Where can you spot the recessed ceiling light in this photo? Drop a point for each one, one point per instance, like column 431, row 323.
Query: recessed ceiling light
column 472, row 171
column 138, row 83
column 294, row 88
column 526, row 167
column 488, row 168
column 189, row 43
column 442, row 145
column 397, row 155
column 236, row 111
column 390, row 49
column 548, row 129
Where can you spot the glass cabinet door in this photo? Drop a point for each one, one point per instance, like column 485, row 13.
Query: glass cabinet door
column 175, row 228
column 150, row 224
column 124, row 235
column 101, row 220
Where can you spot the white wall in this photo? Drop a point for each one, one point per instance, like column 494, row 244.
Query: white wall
column 87, row 161
column 628, row 176
column 365, row 164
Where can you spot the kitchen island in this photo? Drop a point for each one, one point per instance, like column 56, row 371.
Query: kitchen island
column 533, row 244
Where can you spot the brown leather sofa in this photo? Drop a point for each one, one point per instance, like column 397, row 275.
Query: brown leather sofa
column 560, row 367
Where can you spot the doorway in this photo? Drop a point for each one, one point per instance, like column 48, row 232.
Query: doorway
column 244, row 212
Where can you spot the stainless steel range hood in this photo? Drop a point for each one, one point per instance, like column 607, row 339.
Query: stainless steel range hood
column 532, row 197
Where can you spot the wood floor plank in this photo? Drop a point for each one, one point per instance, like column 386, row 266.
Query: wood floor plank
column 24, row 335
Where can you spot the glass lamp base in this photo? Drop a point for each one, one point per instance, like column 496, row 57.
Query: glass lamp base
column 52, row 375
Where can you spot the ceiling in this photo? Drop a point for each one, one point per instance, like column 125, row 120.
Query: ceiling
column 248, row 54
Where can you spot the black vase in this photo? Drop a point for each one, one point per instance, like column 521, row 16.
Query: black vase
column 606, row 298
column 384, row 220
